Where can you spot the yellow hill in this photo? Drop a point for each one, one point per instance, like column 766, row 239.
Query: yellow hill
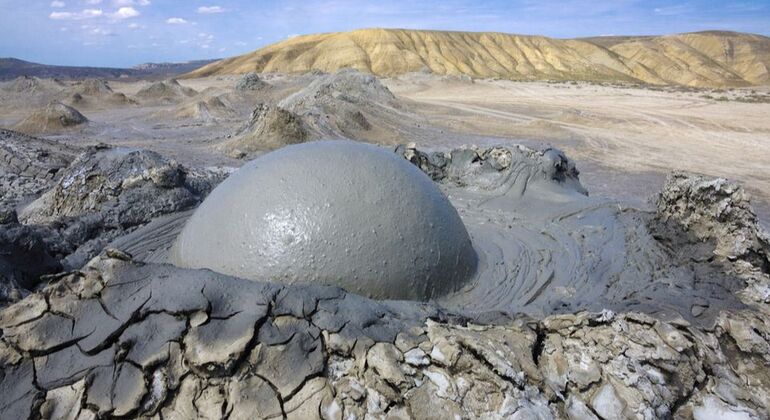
column 706, row 59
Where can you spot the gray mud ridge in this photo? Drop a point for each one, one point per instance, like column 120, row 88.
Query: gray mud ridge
column 29, row 166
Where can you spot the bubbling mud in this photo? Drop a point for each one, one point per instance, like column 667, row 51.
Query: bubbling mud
column 333, row 213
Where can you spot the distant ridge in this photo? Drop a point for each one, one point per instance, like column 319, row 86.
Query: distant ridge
column 11, row 68
column 702, row 59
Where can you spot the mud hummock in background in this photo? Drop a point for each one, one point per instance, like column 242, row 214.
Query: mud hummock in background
column 53, row 118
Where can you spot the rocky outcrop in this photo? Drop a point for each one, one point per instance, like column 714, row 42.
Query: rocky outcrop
column 716, row 220
column 716, row 210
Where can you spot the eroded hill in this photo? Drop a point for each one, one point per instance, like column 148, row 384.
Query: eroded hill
column 704, row 59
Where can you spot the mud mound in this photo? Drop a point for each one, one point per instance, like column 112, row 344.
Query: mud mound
column 94, row 93
column 346, row 104
column 95, row 87
column 347, row 85
column 166, row 91
column 269, row 127
column 54, row 118
column 250, row 82
column 208, row 110
column 32, row 85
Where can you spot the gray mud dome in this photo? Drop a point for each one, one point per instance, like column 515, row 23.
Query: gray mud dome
column 333, row 213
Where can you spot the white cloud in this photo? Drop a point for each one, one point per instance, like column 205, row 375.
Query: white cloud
column 290, row 36
column 240, row 43
column 57, row 4
column 176, row 21
column 134, row 26
column 93, row 1
column 131, row 2
column 85, row 14
column 207, row 10
column 125, row 13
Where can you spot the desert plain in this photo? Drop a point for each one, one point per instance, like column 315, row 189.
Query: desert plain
column 606, row 223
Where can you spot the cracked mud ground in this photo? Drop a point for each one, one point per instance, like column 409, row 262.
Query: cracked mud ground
column 124, row 339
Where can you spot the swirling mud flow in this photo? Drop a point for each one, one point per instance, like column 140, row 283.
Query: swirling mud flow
column 341, row 213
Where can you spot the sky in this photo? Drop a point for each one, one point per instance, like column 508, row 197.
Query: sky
column 124, row 33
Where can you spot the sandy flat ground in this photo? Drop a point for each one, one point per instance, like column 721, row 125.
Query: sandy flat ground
column 625, row 139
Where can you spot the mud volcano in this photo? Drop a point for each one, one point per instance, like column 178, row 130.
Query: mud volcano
column 332, row 213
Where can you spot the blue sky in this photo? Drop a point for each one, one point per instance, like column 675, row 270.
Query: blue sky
column 128, row 32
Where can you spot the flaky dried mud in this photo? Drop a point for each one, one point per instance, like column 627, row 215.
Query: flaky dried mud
column 585, row 309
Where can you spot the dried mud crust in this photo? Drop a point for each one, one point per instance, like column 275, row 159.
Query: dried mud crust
column 89, row 200
column 120, row 338
column 152, row 341
column 29, row 166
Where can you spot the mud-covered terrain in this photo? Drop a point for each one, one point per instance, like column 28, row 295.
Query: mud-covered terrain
column 582, row 303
